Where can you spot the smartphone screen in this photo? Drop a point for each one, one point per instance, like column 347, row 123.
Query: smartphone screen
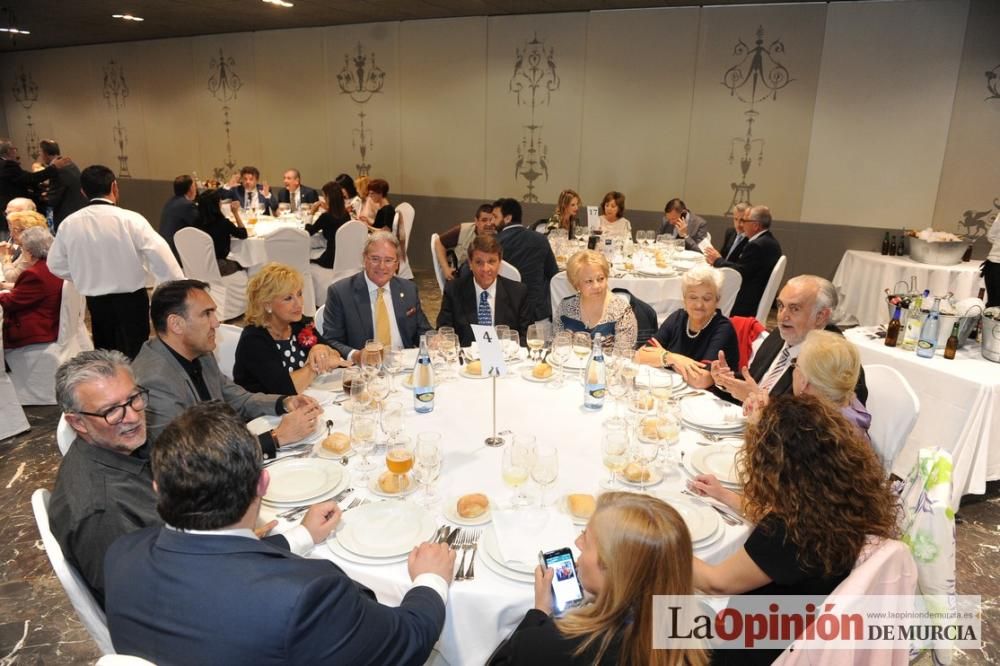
column 566, row 588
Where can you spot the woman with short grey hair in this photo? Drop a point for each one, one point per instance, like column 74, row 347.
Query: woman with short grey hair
column 31, row 307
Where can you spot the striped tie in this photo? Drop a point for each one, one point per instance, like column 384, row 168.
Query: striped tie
column 777, row 371
column 382, row 332
column 485, row 314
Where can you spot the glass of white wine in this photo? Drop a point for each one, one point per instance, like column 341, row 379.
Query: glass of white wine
column 614, row 453
column 363, row 426
column 545, row 471
column 518, row 459
column 581, row 347
column 448, row 343
column 535, row 341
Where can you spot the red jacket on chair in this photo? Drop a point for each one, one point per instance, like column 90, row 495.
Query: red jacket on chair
column 31, row 308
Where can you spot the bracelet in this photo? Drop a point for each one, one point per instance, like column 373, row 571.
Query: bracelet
column 663, row 358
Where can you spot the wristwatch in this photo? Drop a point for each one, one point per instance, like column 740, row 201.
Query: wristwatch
column 663, row 358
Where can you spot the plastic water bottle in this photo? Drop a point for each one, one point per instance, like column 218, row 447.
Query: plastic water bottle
column 929, row 333
column 596, row 378
column 423, row 380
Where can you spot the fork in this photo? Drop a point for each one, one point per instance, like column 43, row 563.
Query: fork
column 290, row 513
column 713, row 437
column 470, row 573
column 463, row 545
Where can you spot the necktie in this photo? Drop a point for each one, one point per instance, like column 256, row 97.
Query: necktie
column 295, row 200
column 777, row 371
column 382, row 333
column 736, row 241
column 485, row 314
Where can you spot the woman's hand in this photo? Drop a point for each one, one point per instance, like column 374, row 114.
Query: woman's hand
column 323, row 359
column 647, row 355
column 543, row 589
column 707, row 485
column 690, row 369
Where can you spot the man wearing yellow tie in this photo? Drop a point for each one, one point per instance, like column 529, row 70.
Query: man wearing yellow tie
column 374, row 304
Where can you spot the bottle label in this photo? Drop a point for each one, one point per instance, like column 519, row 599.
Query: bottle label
column 596, row 391
column 925, row 344
column 424, row 394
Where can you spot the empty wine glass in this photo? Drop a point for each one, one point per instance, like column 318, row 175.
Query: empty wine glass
column 618, row 388
column 427, row 465
column 562, row 347
column 512, row 345
column 360, row 398
column 644, row 453
column 614, row 454
column 516, row 468
column 545, row 469
column 580, row 232
column 392, row 419
column 392, row 361
column 371, row 357
column 448, row 342
column 363, row 428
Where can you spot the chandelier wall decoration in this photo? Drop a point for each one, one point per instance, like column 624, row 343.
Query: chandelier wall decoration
column 115, row 90
column 224, row 84
column 25, row 92
column 532, row 84
column 361, row 79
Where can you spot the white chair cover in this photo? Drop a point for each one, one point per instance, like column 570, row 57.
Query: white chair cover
column 226, row 338
column 291, row 247
column 508, row 271
column 33, row 367
column 438, row 273
column 318, row 319
column 351, row 239
column 771, row 290
column 12, row 419
column 79, row 594
column 731, row 282
column 122, row 660
column 64, row 434
column 402, row 226
column 198, row 258
column 894, row 407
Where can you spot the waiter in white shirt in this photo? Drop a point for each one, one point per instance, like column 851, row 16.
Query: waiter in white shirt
column 105, row 251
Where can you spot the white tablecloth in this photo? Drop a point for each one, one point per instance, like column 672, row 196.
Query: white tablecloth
column 483, row 611
column 958, row 401
column 664, row 294
column 251, row 252
column 863, row 277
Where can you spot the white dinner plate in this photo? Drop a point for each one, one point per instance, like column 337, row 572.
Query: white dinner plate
column 468, row 375
column 374, row 487
column 722, row 432
column 712, row 540
column 526, row 375
column 702, row 521
column 718, row 460
column 320, row 452
column 451, row 513
column 489, row 544
column 345, row 480
column 490, row 563
column 301, row 479
column 339, row 551
column 710, row 413
column 385, row 529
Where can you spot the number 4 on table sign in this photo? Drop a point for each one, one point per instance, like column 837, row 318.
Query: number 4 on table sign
column 490, row 350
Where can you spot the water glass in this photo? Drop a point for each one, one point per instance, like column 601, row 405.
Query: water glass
column 545, row 471
column 448, row 343
column 392, row 419
column 516, row 469
column 363, row 426
column 427, row 467
column 562, row 348
column 360, row 398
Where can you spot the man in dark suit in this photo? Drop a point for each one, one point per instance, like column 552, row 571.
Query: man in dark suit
column 250, row 193
column 757, row 259
column 374, row 304
column 735, row 239
column 294, row 193
column 805, row 304
column 679, row 222
column 16, row 182
column 204, row 589
column 529, row 252
column 179, row 211
column 483, row 296
column 64, row 194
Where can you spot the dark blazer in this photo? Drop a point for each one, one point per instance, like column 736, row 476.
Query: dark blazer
column 258, row 367
column 239, row 193
column 697, row 229
column 328, row 225
column 347, row 321
column 16, row 182
column 179, row 212
column 537, row 641
column 179, row 598
column 727, row 244
column 64, row 193
column 460, row 309
column 308, row 195
column 755, row 263
column 31, row 308
column 222, row 231
column 530, row 253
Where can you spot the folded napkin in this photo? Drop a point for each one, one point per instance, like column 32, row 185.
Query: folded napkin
column 522, row 533
column 710, row 411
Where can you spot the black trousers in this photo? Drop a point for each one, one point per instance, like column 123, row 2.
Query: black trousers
column 120, row 321
column 991, row 276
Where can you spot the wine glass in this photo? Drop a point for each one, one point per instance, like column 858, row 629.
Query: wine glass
column 545, row 470
column 581, row 346
column 614, row 450
column 448, row 342
column 516, row 468
column 392, row 362
column 363, row 427
column 399, row 460
column 535, row 341
column 427, row 464
column 433, row 347
column 511, row 345
column 371, row 357
column 446, row 330
column 668, row 429
column 283, row 209
column 562, row 347
column 392, row 419
column 502, row 330
column 618, row 387
column 580, row 232
column 645, row 452
column 378, row 389
column 360, row 398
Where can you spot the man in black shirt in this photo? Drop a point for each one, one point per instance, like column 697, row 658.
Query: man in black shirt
column 179, row 211
column 529, row 252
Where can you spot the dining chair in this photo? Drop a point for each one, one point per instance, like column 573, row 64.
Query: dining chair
column 33, row 367
column 290, row 246
column 403, row 228
column 227, row 337
column 438, row 273
column 771, row 290
column 198, row 259
column 12, row 418
column 731, row 283
column 79, row 594
column 509, row 271
column 894, row 407
column 122, row 660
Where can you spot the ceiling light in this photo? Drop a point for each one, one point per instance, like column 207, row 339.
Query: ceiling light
column 279, row 3
column 15, row 31
column 127, row 17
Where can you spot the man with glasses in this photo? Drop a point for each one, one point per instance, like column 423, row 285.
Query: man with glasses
column 759, row 253
column 374, row 304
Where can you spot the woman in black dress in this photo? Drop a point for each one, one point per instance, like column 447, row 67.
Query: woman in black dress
column 214, row 223
column 385, row 212
column 328, row 223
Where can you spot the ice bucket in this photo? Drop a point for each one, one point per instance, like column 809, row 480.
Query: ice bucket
column 944, row 253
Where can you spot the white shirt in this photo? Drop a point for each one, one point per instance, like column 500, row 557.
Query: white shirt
column 793, row 353
column 104, row 249
column 295, row 198
column 757, row 235
column 993, row 236
column 491, row 299
column 300, row 543
column 397, row 339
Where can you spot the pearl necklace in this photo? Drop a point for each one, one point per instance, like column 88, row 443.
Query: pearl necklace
column 687, row 331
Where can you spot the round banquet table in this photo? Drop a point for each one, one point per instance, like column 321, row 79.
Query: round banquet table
column 663, row 293
column 252, row 251
column 483, row 611
column 863, row 277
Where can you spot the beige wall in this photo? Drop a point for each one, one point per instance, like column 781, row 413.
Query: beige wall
column 883, row 124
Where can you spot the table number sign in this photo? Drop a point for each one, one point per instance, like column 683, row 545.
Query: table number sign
column 490, row 350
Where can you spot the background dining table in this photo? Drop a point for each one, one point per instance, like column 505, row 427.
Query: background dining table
column 251, row 252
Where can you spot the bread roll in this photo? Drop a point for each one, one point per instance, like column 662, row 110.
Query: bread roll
column 472, row 506
column 541, row 371
column 635, row 473
column 581, row 505
column 474, row 368
column 338, row 443
column 389, row 483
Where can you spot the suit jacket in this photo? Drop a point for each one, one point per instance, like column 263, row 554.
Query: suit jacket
column 530, row 253
column 179, row 212
column 697, row 229
column 31, row 308
column 460, row 309
column 755, row 263
column 307, row 195
column 727, row 245
column 16, row 182
column 171, row 390
column 181, row 598
column 347, row 321
column 239, row 193
column 64, row 193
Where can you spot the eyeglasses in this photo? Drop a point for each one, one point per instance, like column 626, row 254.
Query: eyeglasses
column 115, row 414
column 381, row 261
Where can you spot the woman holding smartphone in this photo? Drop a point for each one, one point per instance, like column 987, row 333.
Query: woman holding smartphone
column 634, row 547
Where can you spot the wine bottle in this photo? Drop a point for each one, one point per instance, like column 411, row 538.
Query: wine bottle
column 901, row 247
column 892, row 333
column 892, row 246
column 885, row 244
column 911, row 333
column 952, row 346
column 423, row 380
column 929, row 331
column 974, row 333
column 595, row 384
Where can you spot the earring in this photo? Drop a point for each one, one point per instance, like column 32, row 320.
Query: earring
column 268, row 310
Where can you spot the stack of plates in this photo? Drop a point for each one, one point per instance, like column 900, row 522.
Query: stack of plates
column 702, row 521
column 706, row 412
column 718, row 460
column 298, row 481
column 493, row 560
column 262, row 424
column 382, row 532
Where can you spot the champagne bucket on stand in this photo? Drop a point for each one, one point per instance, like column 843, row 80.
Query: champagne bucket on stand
column 991, row 335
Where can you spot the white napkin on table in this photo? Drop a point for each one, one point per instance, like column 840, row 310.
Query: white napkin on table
column 710, row 411
column 522, row 533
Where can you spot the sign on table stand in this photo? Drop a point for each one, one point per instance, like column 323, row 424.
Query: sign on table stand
column 491, row 359
column 593, row 218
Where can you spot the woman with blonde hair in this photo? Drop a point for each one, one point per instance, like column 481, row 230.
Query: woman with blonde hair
column 280, row 350
column 566, row 209
column 14, row 261
column 594, row 309
column 814, row 490
column 613, row 220
column 635, row 546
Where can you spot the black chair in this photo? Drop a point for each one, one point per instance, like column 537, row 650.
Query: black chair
column 645, row 316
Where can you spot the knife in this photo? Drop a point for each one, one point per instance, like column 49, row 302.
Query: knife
column 451, row 537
